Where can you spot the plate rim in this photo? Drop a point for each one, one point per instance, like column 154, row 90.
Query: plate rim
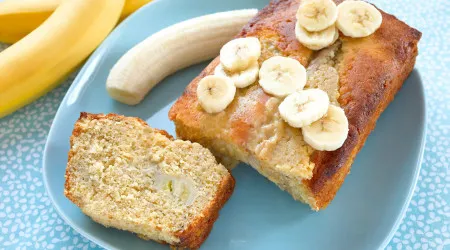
column 99, row 54
column 418, row 167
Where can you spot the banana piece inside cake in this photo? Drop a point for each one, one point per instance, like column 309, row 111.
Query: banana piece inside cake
column 124, row 174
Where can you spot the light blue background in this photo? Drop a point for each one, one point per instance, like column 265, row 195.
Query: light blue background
column 28, row 220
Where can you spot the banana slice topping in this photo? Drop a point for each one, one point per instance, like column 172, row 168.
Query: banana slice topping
column 241, row 79
column 324, row 126
column 302, row 108
column 358, row 18
column 240, row 53
column 317, row 15
column 330, row 132
column 316, row 40
column 281, row 76
column 215, row 93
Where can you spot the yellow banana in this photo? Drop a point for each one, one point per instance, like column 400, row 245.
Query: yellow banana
column 36, row 63
column 19, row 17
column 131, row 6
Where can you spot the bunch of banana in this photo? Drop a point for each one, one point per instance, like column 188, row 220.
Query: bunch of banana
column 18, row 18
column 318, row 21
column 35, row 64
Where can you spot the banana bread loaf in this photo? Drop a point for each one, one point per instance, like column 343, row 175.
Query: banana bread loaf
column 371, row 70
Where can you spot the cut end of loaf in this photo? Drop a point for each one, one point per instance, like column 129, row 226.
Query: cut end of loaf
column 126, row 175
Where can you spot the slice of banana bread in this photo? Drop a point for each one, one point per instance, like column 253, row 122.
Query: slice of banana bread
column 124, row 174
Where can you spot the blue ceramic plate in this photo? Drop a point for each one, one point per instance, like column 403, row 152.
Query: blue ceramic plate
column 364, row 215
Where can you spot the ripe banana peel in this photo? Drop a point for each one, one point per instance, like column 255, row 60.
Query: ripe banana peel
column 131, row 6
column 36, row 63
column 19, row 17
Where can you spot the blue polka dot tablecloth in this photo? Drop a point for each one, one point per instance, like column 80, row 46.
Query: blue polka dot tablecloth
column 29, row 221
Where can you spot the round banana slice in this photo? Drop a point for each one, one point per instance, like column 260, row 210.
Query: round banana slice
column 164, row 182
column 215, row 93
column 242, row 78
column 182, row 188
column 281, row 76
column 302, row 108
column 185, row 190
column 328, row 133
column 316, row 40
column 317, row 15
column 358, row 18
column 239, row 53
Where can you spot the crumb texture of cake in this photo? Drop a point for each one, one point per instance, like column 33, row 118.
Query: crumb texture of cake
column 124, row 174
column 360, row 75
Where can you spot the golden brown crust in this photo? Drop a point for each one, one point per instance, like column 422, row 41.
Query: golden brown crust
column 371, row 71
column 196, row 232
column 278, row 20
